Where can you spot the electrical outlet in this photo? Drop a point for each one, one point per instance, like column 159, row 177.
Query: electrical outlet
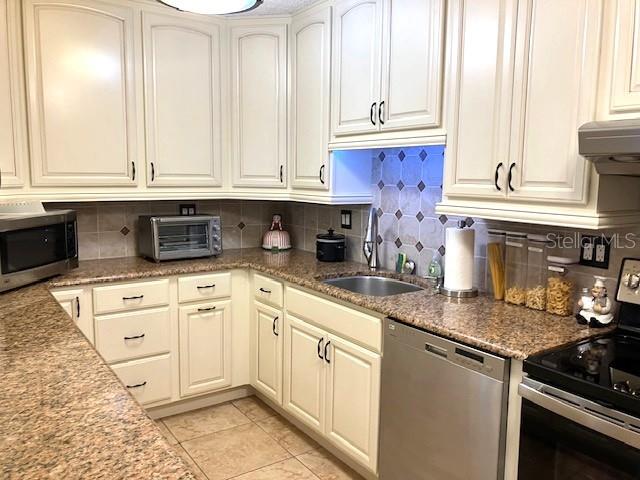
column 595, row 251
column 187, row 209
column 345, row 219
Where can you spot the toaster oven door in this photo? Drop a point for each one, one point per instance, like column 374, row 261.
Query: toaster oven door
column 176, row 240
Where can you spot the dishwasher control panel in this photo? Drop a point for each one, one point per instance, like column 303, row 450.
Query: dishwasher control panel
column 459, row 354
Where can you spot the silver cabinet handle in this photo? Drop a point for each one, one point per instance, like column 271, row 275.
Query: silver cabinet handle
column 203, row 287
column 137, row 385
column 135, row 337
column 206, row 309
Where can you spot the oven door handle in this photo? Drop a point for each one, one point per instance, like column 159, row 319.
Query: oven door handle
column 611, row 423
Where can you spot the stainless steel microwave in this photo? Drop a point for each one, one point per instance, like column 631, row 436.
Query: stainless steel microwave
column 176, row 237
column 36, row 246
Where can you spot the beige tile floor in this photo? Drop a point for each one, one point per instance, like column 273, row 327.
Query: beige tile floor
column 247, row 440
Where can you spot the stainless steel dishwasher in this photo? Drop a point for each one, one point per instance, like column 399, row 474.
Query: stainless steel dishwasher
column 443, row 408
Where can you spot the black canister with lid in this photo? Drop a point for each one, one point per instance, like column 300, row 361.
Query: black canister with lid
column 330, row 247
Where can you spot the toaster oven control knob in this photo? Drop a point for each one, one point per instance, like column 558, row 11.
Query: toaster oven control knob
column 631, row 280
column 215, row 237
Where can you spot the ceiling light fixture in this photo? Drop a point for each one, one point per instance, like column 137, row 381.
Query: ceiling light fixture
column 213, row 7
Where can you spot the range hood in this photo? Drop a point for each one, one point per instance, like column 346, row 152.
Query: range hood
column 613, row 146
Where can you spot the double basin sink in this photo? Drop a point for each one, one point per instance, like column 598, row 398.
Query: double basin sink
column 372, row 285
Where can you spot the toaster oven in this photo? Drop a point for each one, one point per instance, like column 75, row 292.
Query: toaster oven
column 177, row 237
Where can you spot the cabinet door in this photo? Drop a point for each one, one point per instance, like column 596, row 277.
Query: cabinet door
column 353, row 400
column 77, row 304
column 356, row 66
column 555, row 85
column 268, row 352
column 183, row 122
column 310, row 66
column 412, row 64
column 620, row 93
column 304, row 372
column 205, row 347
column 82, row 92
column 13, row 150
column 483, row 35
column 259, row 104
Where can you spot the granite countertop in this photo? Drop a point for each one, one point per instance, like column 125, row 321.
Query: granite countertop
column 64, row 413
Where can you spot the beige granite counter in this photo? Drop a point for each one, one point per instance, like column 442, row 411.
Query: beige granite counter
column 64, row 414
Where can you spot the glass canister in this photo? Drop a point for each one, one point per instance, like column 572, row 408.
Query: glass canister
column 536, row 294
column 560, row 289
column 495, row 270
column 516, row 268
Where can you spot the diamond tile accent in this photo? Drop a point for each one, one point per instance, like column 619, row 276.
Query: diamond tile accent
column 124, row 231
column 420, row 216
column 421, row 186
column 382, row 156
column 379, row 212
column 469, row 221
column 241, row 225
column 443, row 219
column 442, row 250
column 419, row 246
column 423, row 155
column 401, row 155
column 379, row 240
column 398, row 243
column 400, row 185
column 380, row 184
column 398, row 214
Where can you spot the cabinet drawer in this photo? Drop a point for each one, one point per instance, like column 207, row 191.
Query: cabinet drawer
column 149, row 379
column 267, row 290
column 204, row 287
column 123, row 336
column 346, row 322
column 130, row 296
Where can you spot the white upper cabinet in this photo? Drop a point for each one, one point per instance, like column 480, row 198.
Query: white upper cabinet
column 356, row 66
column 412, row 64
column 80, row 60
column 182, row 99
column 13, row 150
column 387, row 65
column 620, row 81
column 310, row 59
column 483, row 35
column 259, row 105
column 555, row 87
column 525, row 78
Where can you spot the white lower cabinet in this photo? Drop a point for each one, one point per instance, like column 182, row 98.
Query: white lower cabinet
column 147, row 379
column 333, row 386
column 352, row 400
column 304, row 371
column 267, row 361
column 77, row 303
column 205, row 347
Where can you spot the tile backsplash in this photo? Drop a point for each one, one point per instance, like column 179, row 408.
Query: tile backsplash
column 406, row 185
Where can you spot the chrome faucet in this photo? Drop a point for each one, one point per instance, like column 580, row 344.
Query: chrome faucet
column 370, row 245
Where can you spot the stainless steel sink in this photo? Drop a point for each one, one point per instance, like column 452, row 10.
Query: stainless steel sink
column 374, row 286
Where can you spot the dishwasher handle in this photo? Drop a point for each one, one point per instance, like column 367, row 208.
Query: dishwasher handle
column 441, row 352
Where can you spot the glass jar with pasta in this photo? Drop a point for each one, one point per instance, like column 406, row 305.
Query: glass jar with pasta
column 495, row 271
column 516, row 268
column 536, row 290
column 560, row 290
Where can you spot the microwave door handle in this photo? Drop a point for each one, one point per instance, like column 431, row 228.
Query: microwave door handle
column 576, row 409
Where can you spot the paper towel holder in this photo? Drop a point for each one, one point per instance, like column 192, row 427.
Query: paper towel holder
column 472, row 292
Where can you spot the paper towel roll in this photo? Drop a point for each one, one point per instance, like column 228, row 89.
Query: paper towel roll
column 458, row 272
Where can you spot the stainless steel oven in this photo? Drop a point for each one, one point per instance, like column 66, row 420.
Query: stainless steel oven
column 564, row 436
column 176, row 237
column 36, row 246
